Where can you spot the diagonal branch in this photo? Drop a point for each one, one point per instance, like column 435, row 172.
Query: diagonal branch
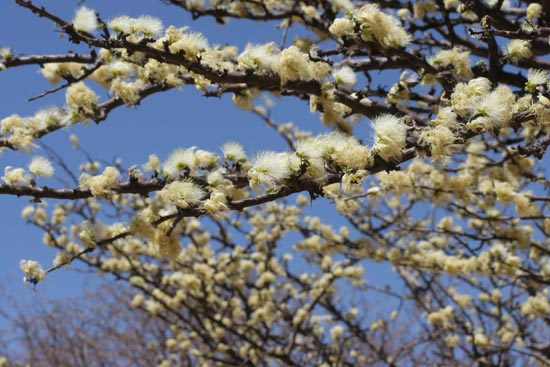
column 70, row 80
column 103, row 111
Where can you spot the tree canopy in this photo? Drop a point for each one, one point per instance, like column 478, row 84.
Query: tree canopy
column 444, row 255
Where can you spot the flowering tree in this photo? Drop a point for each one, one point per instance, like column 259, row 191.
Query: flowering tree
column 449, row 196
column 73, row 332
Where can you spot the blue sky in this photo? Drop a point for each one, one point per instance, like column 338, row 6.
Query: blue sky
column 163, row 122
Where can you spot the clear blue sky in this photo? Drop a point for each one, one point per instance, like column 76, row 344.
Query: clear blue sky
column 163, row 122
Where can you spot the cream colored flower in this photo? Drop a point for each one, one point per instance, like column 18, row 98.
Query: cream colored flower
column 534, row 10
column 344, row 76
column 390, row 135
column 182, row 194
column 85, row 20
column 342, row 27
column 81, row 99
column 380, row 27
column 32, row 269
column 268, row 169
column 518, row 49
column 41, row 166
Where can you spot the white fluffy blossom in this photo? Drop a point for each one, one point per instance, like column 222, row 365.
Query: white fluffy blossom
column 145, row 25
column 380, row 27
column 309, row 152
column 344, row 151
column 293, row 64
column 6, row 53
column 351, row 182
column 466, row 96
column 538, row 305
column 100, row 185
column 81, row 99
column 518, row 49
column 234, row 152
column 390, row 136
column 481, row 339
column 342, row 4
column 41, row 166
column 344, row 76
column 404, row 14
column 334, row 149
column 61, row 259
column 32, row 269
column 535, row 77
column 191, row 43
column 494, row 110
column 16, row 176
column 85, row 20
column 268, row 169
column 534, row 10
column 119, row 68
column 216, row 203
column 122, row 24
column 90, row 233
column 342, row 27
column 441, row 316
column 148, row 25
column 423, row 8
column 56, row 71
column 259, row 57
column 127, row 91
column 455, row 58
column 440, row 139
column 179, row 161
column 182, row 193
column 195, row 4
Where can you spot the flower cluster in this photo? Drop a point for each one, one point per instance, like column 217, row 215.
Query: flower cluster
column 100, row 185
column 144, row 25
column 485, row 110
column 372, row 25
column 456, row 59
column 33, row 270
column 81, row 99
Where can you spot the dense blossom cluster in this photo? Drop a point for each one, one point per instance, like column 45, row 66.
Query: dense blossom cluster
column 444, row 193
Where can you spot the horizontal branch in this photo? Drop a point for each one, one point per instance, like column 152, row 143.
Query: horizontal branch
column 44, row 192
column 45, row 59
column 127, row 187
column 531, row 34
